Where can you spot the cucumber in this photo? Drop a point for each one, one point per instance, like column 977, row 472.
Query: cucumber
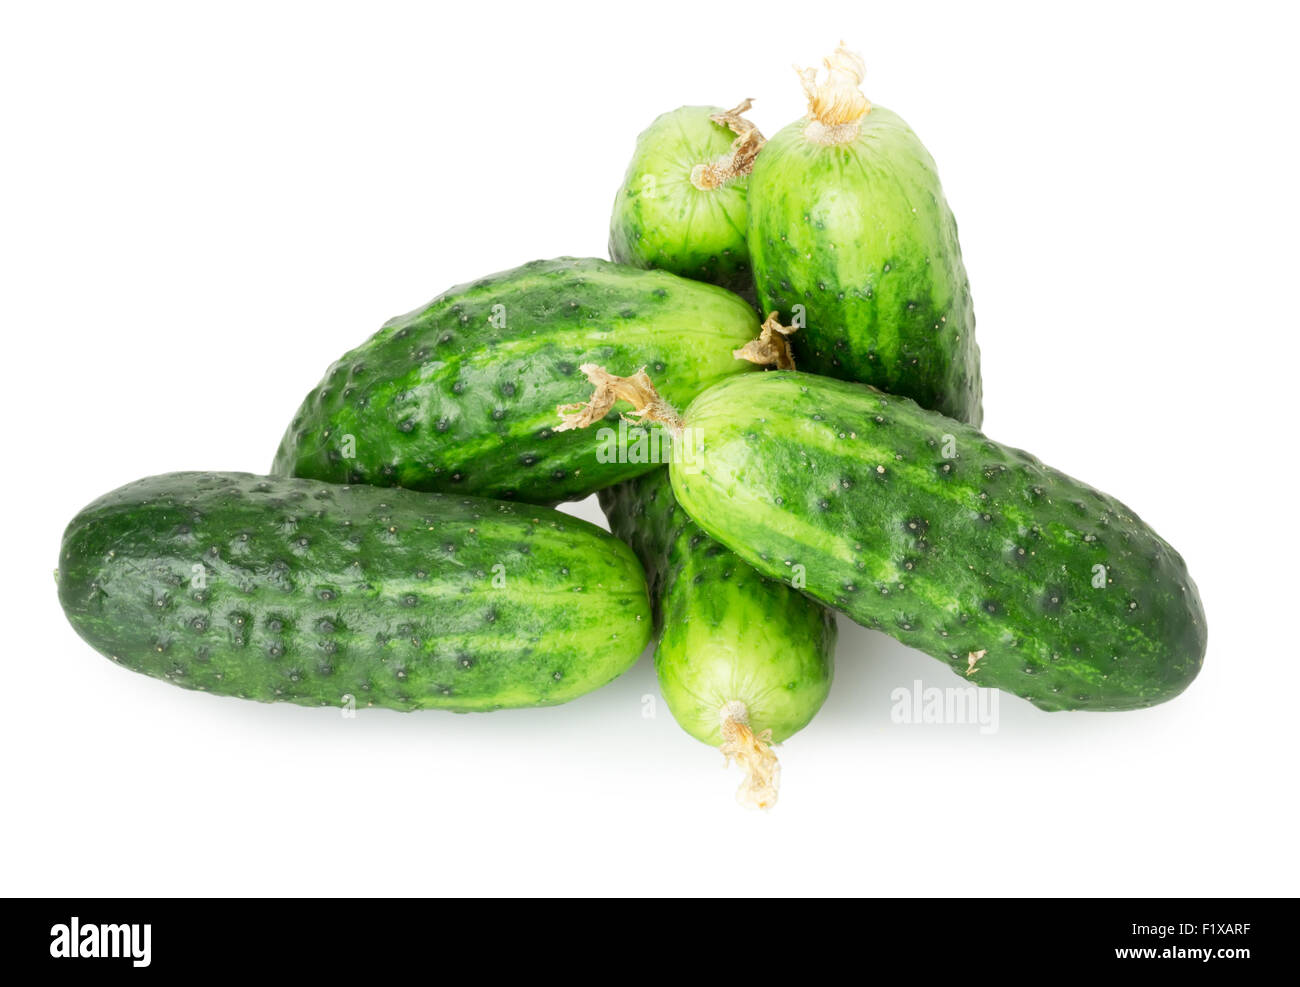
column 852, row 241
column 743, row 661
column 297, row 591
column 457, row 397
column 681, row 206
column 1016, row 575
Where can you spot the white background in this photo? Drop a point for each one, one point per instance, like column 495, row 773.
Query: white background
column 204, row 205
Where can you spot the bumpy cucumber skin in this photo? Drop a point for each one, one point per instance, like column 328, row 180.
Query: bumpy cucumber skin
column 861, row 236
column 662, row 221
column 726, row 632
column 298, row 591
column 460, row 395
column 988, row 551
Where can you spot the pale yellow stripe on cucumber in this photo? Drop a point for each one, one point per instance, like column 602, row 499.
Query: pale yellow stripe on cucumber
column 859, row 453
column 786, row 523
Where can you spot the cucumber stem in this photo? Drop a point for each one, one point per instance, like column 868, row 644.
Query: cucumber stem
column 836, row 106
column 771, row 348
column 637, row 390
column 753, row 752
column 739, row 160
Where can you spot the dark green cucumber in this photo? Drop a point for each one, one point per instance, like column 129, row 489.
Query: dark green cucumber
column 1014, row 574
column 851, row 239
column 459, row 396
column 298, row 591
column 728, row 634
column 681, row 207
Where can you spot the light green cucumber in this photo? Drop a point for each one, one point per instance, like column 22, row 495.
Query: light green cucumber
column 743, row 660
column 681, row 207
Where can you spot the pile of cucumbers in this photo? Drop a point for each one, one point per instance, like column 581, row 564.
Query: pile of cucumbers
column 758, row 474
